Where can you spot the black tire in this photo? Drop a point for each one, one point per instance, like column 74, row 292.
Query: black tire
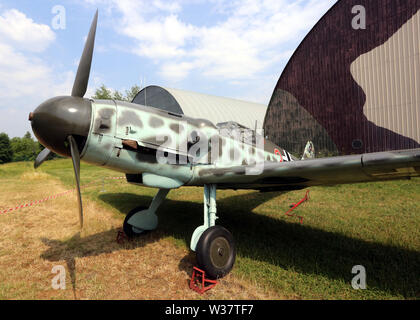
column 216, row 252
column 129, row 230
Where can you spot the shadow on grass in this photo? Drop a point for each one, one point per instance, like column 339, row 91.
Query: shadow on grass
column 293, row 246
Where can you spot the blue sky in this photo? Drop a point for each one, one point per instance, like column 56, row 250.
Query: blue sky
column 231, row 48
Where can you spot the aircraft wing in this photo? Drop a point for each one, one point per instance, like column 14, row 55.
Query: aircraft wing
column 315, row 172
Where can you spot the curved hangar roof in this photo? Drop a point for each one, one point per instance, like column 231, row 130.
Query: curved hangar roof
column 198, row 105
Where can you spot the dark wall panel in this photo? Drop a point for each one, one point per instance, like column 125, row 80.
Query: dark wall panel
column 352, row 90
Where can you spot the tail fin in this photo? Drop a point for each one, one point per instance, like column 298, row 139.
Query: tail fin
column 309, row 152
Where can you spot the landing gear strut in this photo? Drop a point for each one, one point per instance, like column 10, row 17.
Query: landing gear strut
column 143, row 219
column 214, row 245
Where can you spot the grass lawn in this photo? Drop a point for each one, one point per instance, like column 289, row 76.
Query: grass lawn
column 374, row 225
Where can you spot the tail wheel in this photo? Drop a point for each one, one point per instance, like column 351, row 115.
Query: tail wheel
column 216, row 252
column 129, row 230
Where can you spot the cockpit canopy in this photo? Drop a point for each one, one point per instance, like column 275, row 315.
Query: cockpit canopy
column 235, row 130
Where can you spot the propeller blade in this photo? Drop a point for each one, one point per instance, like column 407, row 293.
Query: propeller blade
column 75, row 156
column 42, row 156
column 83, row 71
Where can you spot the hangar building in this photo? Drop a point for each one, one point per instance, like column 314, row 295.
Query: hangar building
column 353, row 84
column 198, row 105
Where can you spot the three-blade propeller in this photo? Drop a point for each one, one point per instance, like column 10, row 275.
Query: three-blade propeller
column 42, row 156
column 79, row 89
column 83, row 71
column 75, row 156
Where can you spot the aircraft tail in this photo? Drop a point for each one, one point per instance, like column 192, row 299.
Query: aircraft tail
column 309, row 152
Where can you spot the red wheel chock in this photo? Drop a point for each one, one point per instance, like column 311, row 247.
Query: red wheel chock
column 295, row 205
column 121, row 237
column 199, row 283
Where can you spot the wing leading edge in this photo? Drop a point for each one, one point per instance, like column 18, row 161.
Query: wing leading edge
column 315, row 172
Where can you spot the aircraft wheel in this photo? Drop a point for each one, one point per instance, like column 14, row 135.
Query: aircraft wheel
column 216, row 252
column 129, row 230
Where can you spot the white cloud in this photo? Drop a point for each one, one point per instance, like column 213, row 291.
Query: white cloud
column 252, row 36
column 23, row 33
column 158, row 38
column 26, row 79
column 175, row 72
column 22, row 72
column 167, row 6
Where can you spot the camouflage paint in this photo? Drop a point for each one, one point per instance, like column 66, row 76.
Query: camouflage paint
column 317, row 98
column 125, row 137
column 133, row 136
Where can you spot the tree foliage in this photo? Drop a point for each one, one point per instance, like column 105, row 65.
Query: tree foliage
column 105, row 93
column 6, row 152
column 25, row 149
column 130, row 94
column 18, row 149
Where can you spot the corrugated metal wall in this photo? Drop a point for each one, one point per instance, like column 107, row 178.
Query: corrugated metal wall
column 204, row 106
column 390, row 77
column 352, row 90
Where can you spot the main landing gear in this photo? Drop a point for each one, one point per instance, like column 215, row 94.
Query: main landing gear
column 214, row 245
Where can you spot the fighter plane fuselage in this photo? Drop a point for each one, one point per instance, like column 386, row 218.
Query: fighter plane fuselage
column 161, row 149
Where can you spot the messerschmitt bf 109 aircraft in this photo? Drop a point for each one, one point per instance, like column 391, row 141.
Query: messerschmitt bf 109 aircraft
column 165, row 150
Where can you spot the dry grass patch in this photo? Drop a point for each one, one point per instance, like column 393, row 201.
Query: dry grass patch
column 34, row 175
column 34, row 239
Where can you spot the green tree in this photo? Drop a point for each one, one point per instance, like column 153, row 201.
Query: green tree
column 6, row 151
column 104, row 93
column 24, row 149
column 130, row 94
column 118, row 96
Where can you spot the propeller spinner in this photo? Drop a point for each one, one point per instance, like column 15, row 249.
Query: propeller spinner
column 62, row 124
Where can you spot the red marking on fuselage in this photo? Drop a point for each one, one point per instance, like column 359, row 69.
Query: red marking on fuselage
column 276, row 151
